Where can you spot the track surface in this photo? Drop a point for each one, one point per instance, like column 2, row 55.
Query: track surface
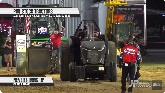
column 153, row 68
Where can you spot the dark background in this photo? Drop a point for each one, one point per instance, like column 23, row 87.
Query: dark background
column 156, row 21
column 156, row 4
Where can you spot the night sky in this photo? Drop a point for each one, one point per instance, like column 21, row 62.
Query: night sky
column 156, row 4
column 156, row 21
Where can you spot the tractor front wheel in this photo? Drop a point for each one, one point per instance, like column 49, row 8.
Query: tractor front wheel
column 65, row 60
column 72, row 73
column 111, row 64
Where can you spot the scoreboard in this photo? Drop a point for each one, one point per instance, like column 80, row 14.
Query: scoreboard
column 26, row 81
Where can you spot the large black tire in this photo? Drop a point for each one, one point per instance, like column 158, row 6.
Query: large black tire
column 65, row 60
column 72, row 73
column 111, row 61
column 113, row 72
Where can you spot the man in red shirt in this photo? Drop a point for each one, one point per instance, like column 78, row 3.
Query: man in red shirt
column 56, row 39
column 56, row 42
column 125, row 43
column 129, row 57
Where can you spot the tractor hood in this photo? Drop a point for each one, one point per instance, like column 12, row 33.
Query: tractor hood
column 45, row 39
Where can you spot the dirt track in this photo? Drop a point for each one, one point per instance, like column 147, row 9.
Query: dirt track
column 81, row 86
column 149, row 72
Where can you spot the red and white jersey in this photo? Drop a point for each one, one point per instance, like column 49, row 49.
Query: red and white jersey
column 130, row 54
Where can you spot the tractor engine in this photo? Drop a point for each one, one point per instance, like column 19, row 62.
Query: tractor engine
column 93, row 58
column 93, row 53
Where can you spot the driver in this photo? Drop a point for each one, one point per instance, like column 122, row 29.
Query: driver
column 96, row 33
column 56, row 41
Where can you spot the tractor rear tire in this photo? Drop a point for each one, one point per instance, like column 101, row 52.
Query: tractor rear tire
column 65, row 60
column 72, row 73
column 111, row 58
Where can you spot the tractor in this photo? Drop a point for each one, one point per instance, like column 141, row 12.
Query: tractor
column 93, row 57
column 39, row 58
column 88, row 56
column 122, row 31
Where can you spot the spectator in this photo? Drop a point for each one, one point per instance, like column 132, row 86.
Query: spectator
column 8, row 53
column 56, row 42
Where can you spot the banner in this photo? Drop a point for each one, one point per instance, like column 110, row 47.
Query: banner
column 134, row 14
column 40, row 12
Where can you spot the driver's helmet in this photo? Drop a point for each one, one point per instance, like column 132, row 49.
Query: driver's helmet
column 96, row 33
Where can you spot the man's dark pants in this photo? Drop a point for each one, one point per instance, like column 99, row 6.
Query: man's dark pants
column 125, row 70
column 55, row 54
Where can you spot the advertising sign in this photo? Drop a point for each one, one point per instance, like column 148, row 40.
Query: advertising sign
column 132, row 13
column 21, row 43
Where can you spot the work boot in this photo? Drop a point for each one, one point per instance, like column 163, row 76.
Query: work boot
column 11, row 69
column 50, row 72
column 129, row 90
column 128, row 79
column 122, row 91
